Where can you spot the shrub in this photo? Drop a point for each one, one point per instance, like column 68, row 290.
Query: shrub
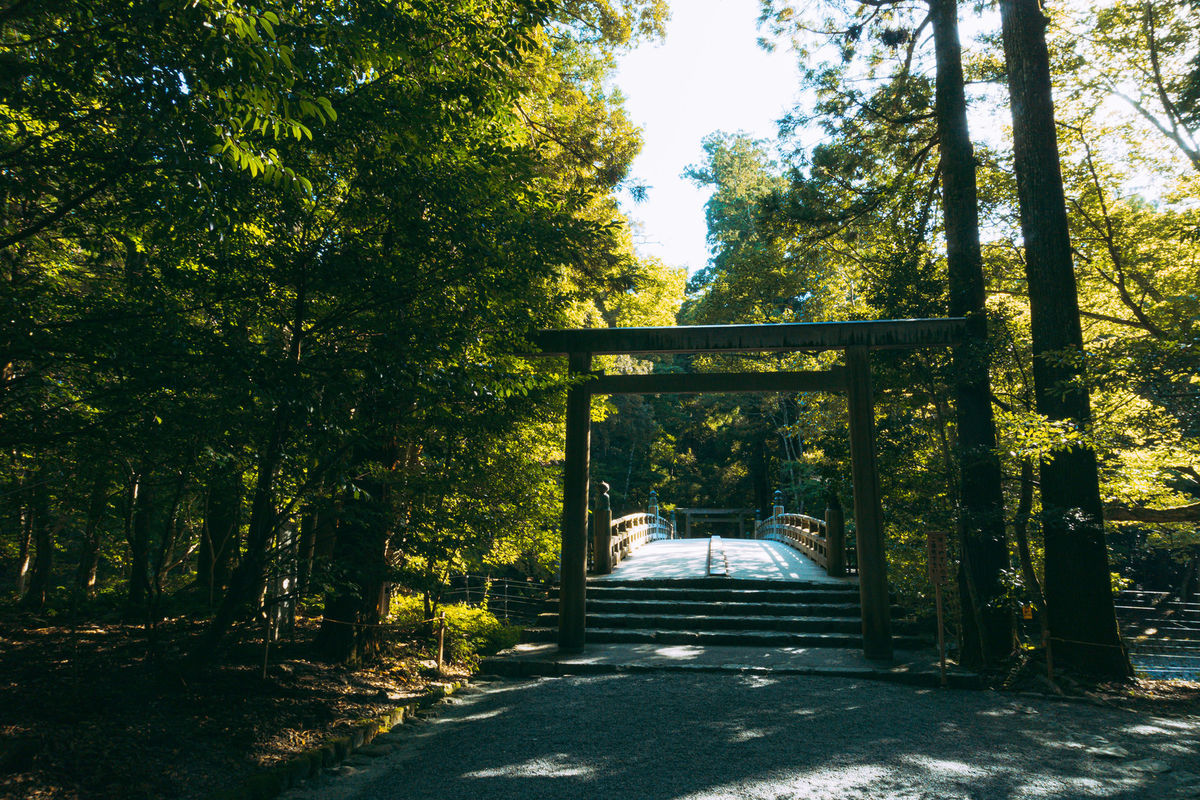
column 471, row 631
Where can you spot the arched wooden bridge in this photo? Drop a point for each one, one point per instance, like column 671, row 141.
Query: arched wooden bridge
column 786, row 583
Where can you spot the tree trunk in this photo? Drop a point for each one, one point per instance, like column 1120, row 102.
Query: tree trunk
column 988, row 630
column 308, row 550
column 350, row 631
column 248, row 580
column 142, row 510
column 1079, row 599
column 89, row 554
column 218, row 535
column 358, row 604
column 24, row 548
column 1024, row 553
column 172, row 527
column 1191, row 576
column 42, row 576
column 761, row 474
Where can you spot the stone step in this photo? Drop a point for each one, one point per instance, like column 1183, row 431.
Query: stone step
column 1172, row 634
column 602, row 606
column 821, row 595
column 1184, row 650
column 795, row 623
column 715, row 623
column 721, row 582
column 750, row 638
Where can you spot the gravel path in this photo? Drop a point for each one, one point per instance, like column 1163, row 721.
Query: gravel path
column 684, row 737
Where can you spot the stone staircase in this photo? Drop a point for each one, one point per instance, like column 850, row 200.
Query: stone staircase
column 722, row 611
column 1163, row 633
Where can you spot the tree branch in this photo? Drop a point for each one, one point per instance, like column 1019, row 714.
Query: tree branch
column 1116, row 512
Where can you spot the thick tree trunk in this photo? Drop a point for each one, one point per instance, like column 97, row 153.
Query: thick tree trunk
column 350, row 629
column 1083, row 622
column 988, row 630
column 357, row 606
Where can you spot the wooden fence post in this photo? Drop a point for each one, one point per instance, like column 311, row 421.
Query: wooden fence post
column 441, row 659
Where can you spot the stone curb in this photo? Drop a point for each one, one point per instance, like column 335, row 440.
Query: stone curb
column 543, row 668
column 269, row 783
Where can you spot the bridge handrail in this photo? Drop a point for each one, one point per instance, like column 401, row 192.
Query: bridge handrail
column 804, row 533
column 633, row 530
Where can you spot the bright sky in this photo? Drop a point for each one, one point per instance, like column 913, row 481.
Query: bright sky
column 708, row 75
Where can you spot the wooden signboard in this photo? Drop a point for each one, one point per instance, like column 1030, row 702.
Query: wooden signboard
column 935, row 553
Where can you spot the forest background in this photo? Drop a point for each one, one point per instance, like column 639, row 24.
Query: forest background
column 269, row 276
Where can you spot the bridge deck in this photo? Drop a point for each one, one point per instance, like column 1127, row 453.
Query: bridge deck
column 746, row 558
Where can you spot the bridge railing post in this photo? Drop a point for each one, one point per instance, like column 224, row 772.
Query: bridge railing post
column 602, row 531
column 835, row 540
column 778, row 509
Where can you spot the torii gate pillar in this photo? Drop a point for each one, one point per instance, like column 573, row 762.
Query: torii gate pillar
column 573, row 558
column 868, row 510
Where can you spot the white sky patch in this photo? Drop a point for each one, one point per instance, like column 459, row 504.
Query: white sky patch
column 709, row 75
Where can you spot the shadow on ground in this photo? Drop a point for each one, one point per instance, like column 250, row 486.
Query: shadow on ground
column 778, row 738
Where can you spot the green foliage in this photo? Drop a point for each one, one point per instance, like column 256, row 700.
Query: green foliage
column 472, row 632
column 269, row 271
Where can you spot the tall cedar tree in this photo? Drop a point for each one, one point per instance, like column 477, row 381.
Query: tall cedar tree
column 1082, row 620
column 988, row 631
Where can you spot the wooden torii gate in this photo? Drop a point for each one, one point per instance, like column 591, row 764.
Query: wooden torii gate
column 735, row 516
column 856, row 339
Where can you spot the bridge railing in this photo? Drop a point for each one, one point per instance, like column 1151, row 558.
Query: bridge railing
column 614, row 539
column 822, row 540
column 634, row 530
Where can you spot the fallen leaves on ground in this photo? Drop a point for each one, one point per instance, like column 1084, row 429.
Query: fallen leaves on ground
column 107, row 712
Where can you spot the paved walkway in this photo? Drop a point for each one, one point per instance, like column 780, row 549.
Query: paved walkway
column 746, row 558
column 918, row 667
column 756, row 737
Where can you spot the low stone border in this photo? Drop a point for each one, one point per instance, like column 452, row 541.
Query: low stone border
column 269, row 783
